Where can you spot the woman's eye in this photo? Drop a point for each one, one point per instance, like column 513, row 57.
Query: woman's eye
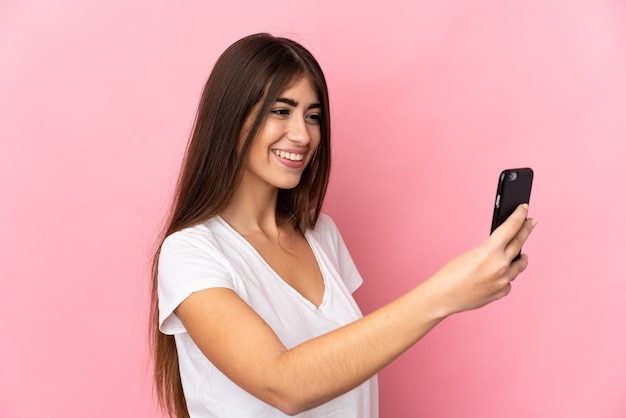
column 314, row 117
column 280, row 112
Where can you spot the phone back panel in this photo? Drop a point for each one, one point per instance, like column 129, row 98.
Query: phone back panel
column 514, row 188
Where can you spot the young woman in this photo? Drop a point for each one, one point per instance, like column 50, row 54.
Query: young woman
column 252, row 313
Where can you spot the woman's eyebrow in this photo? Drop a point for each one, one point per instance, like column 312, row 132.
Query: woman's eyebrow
column 292, row 102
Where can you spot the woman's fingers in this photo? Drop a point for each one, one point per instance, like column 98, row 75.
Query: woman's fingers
column 513, row 248
column 505, row 232
column 513, row 233
column 517, row 267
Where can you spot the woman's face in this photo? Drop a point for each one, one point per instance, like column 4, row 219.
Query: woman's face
column 287, row 139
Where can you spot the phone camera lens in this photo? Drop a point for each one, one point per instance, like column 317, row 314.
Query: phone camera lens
column 512, row 176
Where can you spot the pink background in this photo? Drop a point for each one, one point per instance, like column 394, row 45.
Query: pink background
column 430, row 101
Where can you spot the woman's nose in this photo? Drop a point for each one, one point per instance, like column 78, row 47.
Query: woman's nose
column 298, row 131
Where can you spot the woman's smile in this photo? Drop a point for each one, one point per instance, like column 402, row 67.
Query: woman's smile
column 291, row 156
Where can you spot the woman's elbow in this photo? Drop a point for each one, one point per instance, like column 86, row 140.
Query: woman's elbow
column 289, row 402
column 289, row 405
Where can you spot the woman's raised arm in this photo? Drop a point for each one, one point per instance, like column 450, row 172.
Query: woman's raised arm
column 238, row 342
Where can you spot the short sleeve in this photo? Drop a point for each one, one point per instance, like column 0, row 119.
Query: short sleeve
column 329, row 235
column 187, row 264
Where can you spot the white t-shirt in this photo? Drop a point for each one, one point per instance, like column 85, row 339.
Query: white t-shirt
column 213, row 254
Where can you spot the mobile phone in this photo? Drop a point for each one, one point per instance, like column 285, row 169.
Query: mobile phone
column 514, row 186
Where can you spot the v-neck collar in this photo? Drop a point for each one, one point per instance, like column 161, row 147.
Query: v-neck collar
column 314, row 248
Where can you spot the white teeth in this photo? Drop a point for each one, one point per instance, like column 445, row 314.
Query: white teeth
column 289, row 155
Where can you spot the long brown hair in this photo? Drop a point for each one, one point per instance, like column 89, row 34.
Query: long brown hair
column 250, row 74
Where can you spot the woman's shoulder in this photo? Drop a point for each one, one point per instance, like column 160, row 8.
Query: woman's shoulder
column 324, row 223
column 208, row 242
column 325, row 228
column 204, row 233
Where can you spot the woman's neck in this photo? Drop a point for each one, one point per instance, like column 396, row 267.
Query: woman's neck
column 254, row 210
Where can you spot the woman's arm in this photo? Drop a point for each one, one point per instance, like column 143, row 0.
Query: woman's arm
column 238, row 342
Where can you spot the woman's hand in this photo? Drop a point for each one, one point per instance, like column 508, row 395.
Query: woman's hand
column 485, row 273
